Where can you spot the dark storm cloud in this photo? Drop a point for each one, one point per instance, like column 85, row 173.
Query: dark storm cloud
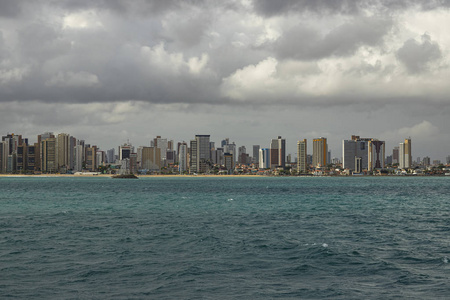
column 417, row 56
column 272, row 8
column 181, row 51
column 139, row 7
column 305, row 43
column 9, row 9
column 41, row 41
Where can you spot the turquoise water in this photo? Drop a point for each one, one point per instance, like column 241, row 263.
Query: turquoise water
column 225, row 238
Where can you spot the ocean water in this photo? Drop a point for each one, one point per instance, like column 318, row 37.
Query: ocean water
column 225, row 238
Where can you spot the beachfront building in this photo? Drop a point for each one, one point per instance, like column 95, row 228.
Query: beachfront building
column 48, row 155
column 302, row 163
column 200, row 154
column 163, row 145
column 150, row 158
column 255, row 159
column 229, row 162
column 356, row 147
column 182, row 157
column 376, row 154
column 320, row 152
column 78, row 158
column 405, row 157
column 277, row 153
column 264, row 158
column 63, row 152
column 91, row 158
column 230, row 148
column 125, row 151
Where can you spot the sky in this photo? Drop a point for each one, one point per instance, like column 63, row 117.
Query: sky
column 108, row 71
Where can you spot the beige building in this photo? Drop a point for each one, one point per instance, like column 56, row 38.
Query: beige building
column 48, row 155
column 91, row 158
column 63, row 152
column 320, row 152
column 404, row 153
column 150, row 158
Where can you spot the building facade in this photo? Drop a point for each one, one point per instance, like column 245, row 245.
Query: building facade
column 320, row 152
column 302, row 164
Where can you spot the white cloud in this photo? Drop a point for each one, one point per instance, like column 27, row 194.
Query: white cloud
column 13, row 75
column 423, row 130
column 82, row 20
column 174, row 63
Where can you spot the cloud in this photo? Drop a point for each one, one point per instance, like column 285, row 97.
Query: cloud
column 306, row 43
column 271, row 8
column 423, row 130
column 40, row 41
column 205, row 63
column 9, row 9
column 73, row 79
column 81, row 20
column 417, row 56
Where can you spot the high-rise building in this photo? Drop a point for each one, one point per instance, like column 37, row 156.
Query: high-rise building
column 217, row 156
column 125, row 151
column 133, row 163
column 101, row 158
column 320, row 152
column 91, row 158
column 193, row 156
column 408, row 155
column 241, row 155
column 111, row 156
column 32, row 155
column 395, row 156
column 229, row 162
column 48, row 155
column 224, row 142
column 405, row 157
column 170, row 157
column 203, row 153
column 264, row 158
column 3, row 156
column 376, row 154
column 401, row 155
column 11, row 163
column 302, row 164
column 356, row 147
column 78, row 158
column 256, row 153
column 182, row 157
column 230, row 148
column 162, row 144
column 278, row 152
column 150, row 158
column 63, row 152
column 21, row 157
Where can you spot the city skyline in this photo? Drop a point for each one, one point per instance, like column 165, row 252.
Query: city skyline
column 112, row 71
column 318, row 147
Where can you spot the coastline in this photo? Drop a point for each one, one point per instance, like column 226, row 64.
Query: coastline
column 193, row 176
column 110, row 175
